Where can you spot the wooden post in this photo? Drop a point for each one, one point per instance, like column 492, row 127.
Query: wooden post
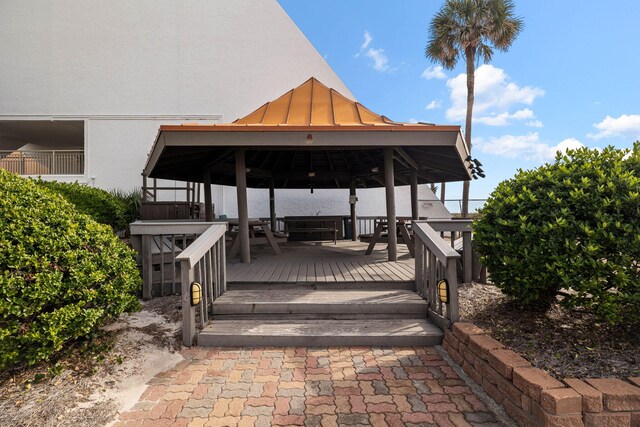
column 452, row 278
column 419, row 267
column 208, row 211
column 391, row 204
column 414, row 194
column 243, row 211
column 147, row 267
column 443, row 188
column 352, row 204
column 467, row 257
column 188, row 312
column 272, row 204
column 145, row 196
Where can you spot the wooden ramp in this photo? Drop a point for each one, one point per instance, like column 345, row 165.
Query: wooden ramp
column 322, row 263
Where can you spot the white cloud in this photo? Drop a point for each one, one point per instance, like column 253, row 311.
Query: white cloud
column 494, row 96
column 627, row 125
column 534, row 124
column 433, row 73
column 380, row 59
column 367, row 40
column 505, row 118
column 527, row 147
column 436, row 103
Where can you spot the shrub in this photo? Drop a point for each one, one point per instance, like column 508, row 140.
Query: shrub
column 132, row 202
column 571, row 228
column 62, row 274
column 95, row 202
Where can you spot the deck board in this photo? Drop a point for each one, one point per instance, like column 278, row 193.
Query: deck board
column 302, row 262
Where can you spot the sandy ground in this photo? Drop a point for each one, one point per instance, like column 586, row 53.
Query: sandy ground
column 145, row 343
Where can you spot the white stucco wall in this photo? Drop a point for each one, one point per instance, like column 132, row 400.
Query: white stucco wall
column 126, row 67
column 121, row 64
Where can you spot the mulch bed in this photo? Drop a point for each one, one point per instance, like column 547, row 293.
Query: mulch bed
column 563, row 343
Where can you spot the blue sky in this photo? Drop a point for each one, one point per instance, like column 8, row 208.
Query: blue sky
column 570, row 79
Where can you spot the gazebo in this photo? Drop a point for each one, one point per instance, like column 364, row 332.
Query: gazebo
column 310, row 137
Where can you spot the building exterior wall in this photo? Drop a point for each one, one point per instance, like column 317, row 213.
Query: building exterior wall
column 126, row 67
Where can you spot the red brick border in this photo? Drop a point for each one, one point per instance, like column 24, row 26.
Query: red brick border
column 534, row 398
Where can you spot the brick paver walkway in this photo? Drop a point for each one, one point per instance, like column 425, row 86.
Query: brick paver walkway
column 309, row 386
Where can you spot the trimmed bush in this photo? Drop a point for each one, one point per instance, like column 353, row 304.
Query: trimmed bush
column 99, row 204
column 62, row 273
column 571, row 228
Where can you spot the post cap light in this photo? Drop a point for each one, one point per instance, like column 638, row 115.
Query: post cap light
column 443, row 291
column 196, row 293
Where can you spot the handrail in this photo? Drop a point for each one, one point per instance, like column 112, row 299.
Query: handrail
column 158, row 243
column 457, row 225
column 434, row 242
column 434, row 261
column 152, row 227
column 195, row 251
column 465, row 228
column 202, row 261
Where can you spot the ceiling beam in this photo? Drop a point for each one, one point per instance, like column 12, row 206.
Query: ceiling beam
column 407, row 158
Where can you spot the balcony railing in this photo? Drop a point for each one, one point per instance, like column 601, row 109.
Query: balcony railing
column 43, row 162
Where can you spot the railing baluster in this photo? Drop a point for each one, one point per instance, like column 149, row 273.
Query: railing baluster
column 161, row 264
column 173, row 264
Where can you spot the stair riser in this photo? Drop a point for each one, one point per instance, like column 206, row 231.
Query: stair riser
column 321, row 316
column 419, row 309
column 321, row 285
column 208, row 340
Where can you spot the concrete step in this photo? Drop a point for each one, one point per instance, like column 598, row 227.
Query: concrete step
column 400, row 285
column 324, row 303
column 313, row 333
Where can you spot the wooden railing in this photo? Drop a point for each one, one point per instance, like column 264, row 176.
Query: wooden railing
column 203, row 261
column 43, row 162
column 456, row 228
column 436, row 260
column 158, row 243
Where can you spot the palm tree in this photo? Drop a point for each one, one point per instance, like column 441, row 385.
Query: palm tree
column 471, row 29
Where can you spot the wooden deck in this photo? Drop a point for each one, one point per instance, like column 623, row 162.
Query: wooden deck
column 310, row 262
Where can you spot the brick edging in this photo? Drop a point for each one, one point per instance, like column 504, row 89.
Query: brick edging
column 534, row 398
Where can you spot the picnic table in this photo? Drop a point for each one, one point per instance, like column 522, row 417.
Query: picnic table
column 402, row 228
column 259, row 234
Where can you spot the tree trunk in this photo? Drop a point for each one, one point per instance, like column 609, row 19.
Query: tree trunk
column 471, row 68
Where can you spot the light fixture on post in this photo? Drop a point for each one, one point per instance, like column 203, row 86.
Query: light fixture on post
column 443, row 291
column 196, row 293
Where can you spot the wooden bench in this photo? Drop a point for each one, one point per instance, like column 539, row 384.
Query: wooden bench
column 330, row 227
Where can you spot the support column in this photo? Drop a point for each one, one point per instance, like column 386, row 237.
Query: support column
column 243, row 211
column 391, row 204
column 414, row 194
column 352, row 204
column 208, row 211
column 272, row 204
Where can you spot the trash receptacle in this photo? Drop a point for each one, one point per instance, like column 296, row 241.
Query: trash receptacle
column 346, row 221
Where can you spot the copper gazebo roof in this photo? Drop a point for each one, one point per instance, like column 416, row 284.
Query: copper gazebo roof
column 310, row 136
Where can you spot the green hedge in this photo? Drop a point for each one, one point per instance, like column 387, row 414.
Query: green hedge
column 99, row 204
column 569, row 229
column 62, row 273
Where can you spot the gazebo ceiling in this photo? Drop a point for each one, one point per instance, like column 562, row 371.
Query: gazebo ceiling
column 312, row 136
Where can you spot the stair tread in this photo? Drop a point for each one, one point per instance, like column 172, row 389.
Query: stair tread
column 324, row 328
column 309, row 296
